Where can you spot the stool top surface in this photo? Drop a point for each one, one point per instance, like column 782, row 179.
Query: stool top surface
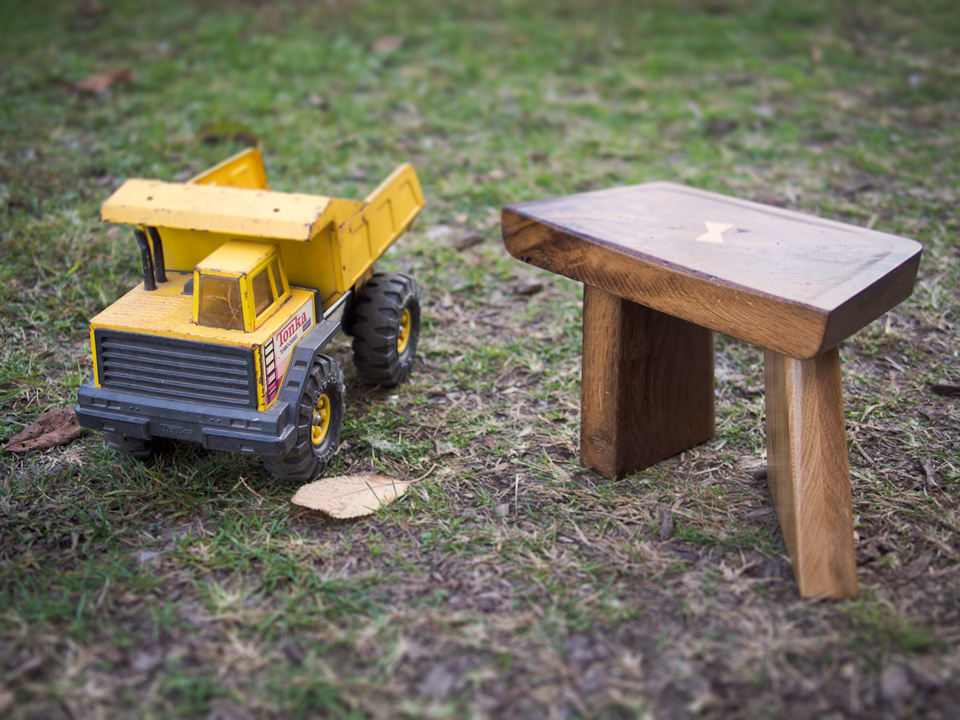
column 787, row 281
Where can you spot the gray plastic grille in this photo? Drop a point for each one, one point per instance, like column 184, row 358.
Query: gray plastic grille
column 176, row 369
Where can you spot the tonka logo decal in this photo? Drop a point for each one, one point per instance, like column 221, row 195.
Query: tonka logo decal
column 277, row 350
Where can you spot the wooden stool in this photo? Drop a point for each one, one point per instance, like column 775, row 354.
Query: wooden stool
column 663, row 266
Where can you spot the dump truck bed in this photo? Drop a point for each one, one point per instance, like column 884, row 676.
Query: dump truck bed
column 325, row 243
column 231, row 210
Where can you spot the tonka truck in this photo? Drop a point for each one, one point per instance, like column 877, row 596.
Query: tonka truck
column 243, row 287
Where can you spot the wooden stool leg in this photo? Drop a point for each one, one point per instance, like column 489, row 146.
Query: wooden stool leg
column 808, row 473
column 647, row 388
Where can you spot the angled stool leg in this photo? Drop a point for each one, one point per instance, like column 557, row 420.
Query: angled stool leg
column 808, row 473
column 647, row 389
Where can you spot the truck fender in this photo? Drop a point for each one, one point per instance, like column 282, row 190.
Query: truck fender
column 302, row 360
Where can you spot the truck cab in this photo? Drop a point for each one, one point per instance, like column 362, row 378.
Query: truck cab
column 239, row 286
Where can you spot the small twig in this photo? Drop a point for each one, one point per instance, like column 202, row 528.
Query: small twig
column 895, row 364
column 516, row 495
column 580, row 533
column 426, row 474
column 857, row 188
column 251, row 489
column 863, row 454
column 930, row 474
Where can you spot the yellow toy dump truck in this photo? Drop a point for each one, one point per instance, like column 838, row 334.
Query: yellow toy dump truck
column 243, row 287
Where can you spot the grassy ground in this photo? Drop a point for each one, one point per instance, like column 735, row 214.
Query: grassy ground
column 509, row 582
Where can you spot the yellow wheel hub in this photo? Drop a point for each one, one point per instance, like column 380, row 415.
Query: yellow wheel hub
column 321, row 420
column 403, row 337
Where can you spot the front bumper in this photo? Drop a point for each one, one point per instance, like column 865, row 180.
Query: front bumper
column 270, row 432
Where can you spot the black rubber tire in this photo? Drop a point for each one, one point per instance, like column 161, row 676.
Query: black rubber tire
column 376, row 325
column 134, row 447
column 306, row 459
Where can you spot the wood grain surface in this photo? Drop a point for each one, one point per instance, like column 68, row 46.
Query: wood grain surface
column 647, row 391
column 783, row 280
column 808, row 473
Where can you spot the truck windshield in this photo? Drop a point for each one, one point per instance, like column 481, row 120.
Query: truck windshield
column 220, row 305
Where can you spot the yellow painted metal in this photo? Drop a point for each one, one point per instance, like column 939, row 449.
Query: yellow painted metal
column 242, row 260
column 388, row 212
column 228, row 223
column 321, row 420
column 166, row 312
column 403, row 336
column 243, row 170
column 222, row 209
column 228, row 266
column 237, row 257
column 261, row 385
column 93, row 348
column 325, row 243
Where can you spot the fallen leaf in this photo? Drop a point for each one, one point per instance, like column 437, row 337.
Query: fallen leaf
column 738, row 80
column 665, row 531
column 227, row 710
column 318, row 101
column 895, row 685
column 146, row 662
column 294, row 653
column 89, row 9
column 438, row 232
column 467, row 241
column 930, row 474
column 101, row 82
column 227, row 131
column 439, row 682
column 526, row 286
column 350, row 496
column 857, row 187
column 770, row 197
column 57, row 426
column 7, row 700
column 27, row 667
column 388, row 43
column 944, row 389
column 719, row 126
column 919, row 566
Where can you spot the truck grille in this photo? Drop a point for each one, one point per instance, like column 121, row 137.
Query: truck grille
column 176, row 369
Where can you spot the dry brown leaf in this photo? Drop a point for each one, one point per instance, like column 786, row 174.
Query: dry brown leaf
column 526, row 286
column 388, row 43
column 228, row 131
column 318, row 101
column 350, row 496
column 90, row 9
column 467, row 241
column 57, row 426
column 946, row 389
column 101, row 82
